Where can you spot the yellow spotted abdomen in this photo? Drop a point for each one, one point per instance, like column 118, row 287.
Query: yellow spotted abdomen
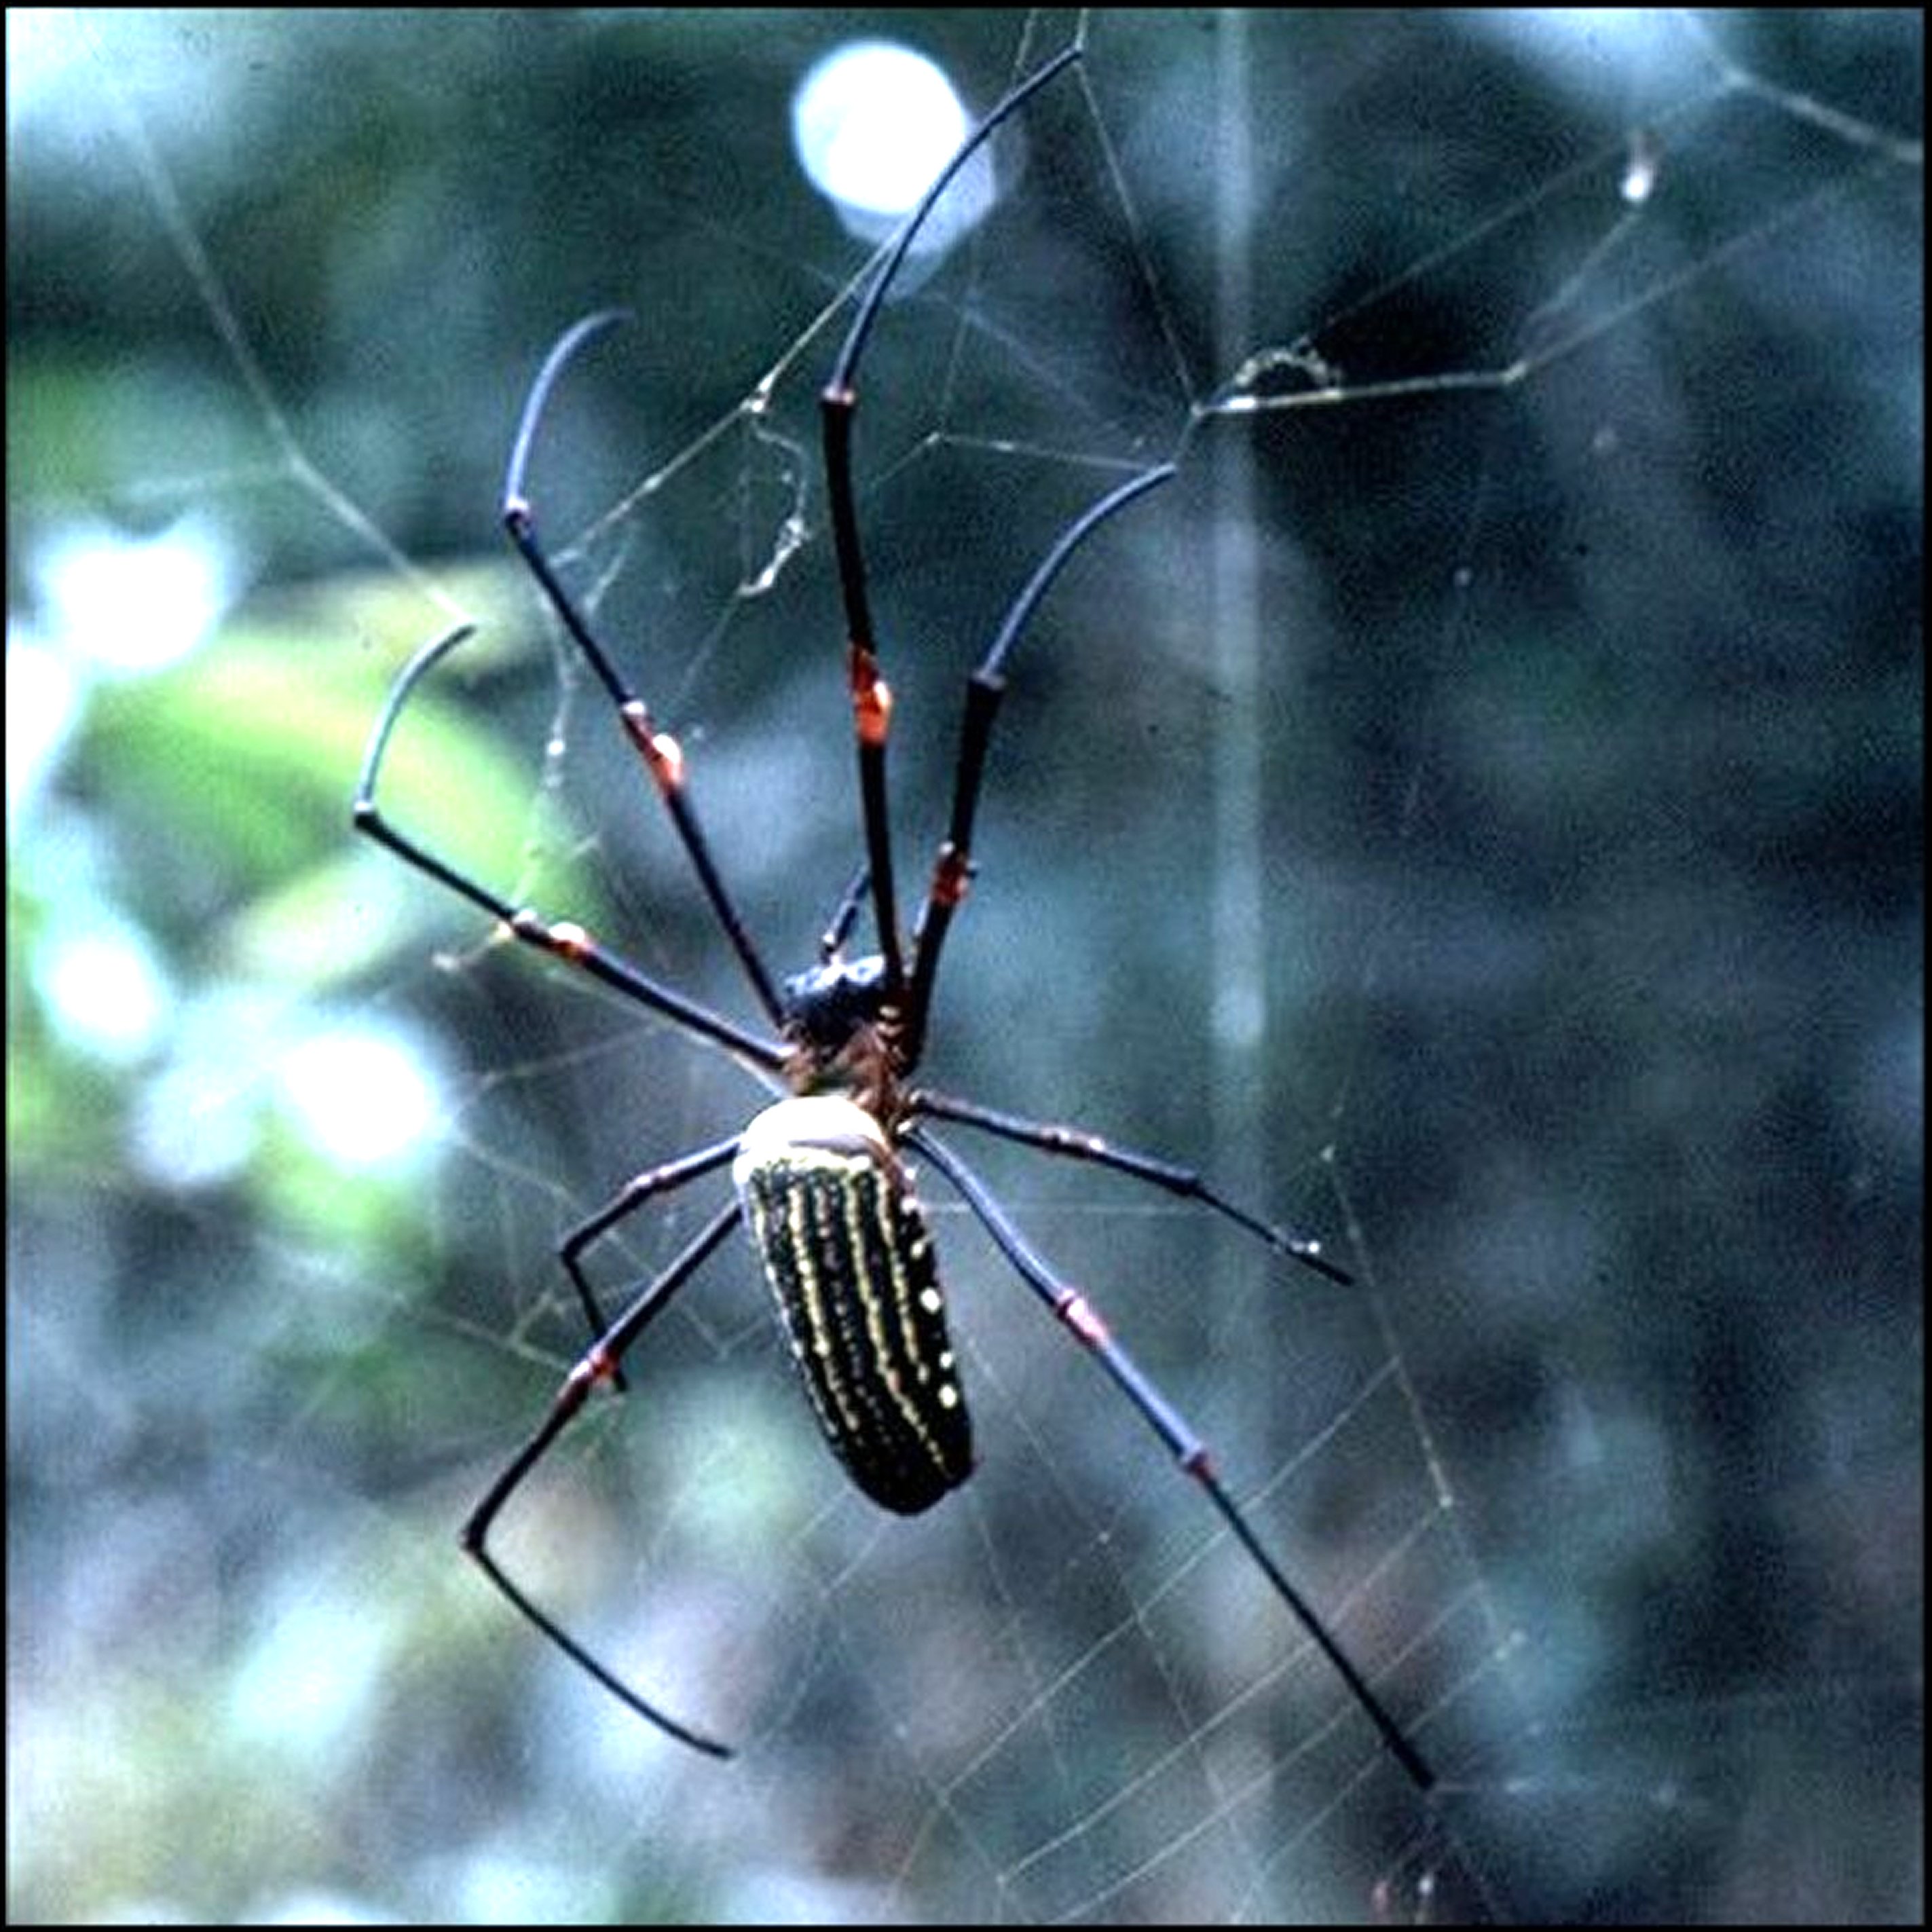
column 847, row 1250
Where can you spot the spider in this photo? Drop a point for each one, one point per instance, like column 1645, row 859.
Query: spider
column 819, row 1179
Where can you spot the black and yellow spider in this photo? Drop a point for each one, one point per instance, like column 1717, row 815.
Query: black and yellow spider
column 818, row 1179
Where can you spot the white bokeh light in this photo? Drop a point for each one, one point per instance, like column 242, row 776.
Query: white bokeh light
column 362, row 1096
column 873, row 123
column 128, row 603
column 42, row 701
column 105, row 989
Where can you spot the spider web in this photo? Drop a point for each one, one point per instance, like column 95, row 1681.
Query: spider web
column 1472, row 811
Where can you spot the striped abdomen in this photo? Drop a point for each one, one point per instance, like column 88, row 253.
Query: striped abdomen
column 848, row 1254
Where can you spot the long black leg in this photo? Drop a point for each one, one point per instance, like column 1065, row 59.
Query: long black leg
column 562, row 938
column 872, row 698
column 837, row 928
column 600, row 1364
column 953, row 869
column 632, row 1195
column 1051, row 1137
column 663, row 757
column 1084, row 1323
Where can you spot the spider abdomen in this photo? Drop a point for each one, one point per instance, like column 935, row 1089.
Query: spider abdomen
column 846, row 1248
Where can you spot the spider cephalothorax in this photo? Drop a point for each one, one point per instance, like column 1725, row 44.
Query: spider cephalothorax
column 845, row 1033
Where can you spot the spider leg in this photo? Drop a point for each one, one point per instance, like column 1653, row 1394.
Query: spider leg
column 952, row 869
column 872, row 698
column 1077, row 1144
column 601, row 1363
column 837, row 928
column 561, row 938
column 632, row 1195
column 1084, row 1323
column 663, row 757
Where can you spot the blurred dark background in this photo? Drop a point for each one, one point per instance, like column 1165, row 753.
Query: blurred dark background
column 1478, row 819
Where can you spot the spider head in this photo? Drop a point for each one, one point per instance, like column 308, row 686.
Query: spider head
column 825, row 1006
